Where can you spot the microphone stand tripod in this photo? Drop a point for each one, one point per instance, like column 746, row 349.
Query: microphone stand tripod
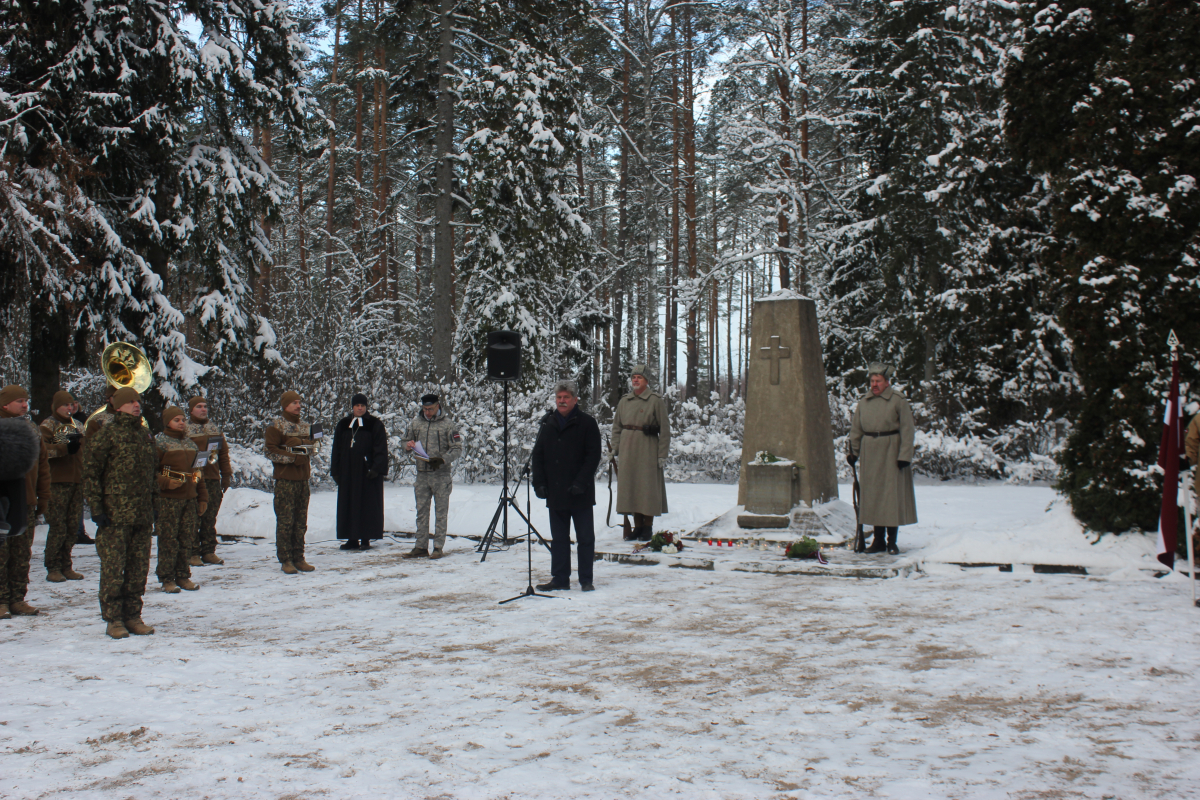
column 529, row 534
column 507, row 498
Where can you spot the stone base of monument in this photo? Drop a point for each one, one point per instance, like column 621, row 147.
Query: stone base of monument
column 828, row 523
column 843, row 563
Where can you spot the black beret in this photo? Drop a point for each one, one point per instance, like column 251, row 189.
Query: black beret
column 429, row 399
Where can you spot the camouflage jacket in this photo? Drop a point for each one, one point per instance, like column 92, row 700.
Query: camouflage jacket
column 281, row 436
column 119, row 466
column 218, row 466
column 439, row 436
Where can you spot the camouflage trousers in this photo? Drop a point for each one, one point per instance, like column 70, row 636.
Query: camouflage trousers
column 176, row 528
column 64, row 516
column 15, row 554
column 291, row 519
column 206, row 542
column 434, row 486
column 124, row 552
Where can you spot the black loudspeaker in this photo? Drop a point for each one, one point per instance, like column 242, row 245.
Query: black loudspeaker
column 504, row 356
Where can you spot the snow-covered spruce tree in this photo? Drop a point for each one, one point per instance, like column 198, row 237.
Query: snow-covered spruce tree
column 1104, row 99
column 526, row 262
column 939, row 267
column 181, row 193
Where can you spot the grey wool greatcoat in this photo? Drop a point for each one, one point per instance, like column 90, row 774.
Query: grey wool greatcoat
column 885, row 491
column 641, row 487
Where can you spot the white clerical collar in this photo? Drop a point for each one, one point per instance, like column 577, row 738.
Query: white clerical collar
column 356, row 421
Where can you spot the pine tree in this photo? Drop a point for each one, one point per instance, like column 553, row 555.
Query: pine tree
column 1103, row 99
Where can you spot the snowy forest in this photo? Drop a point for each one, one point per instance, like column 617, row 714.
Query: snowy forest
column 998, row 197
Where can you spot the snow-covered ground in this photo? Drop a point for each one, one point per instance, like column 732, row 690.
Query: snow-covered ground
column 377, row 677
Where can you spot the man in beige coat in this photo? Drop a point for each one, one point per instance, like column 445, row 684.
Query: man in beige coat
column 641, row 439
column 881, row 436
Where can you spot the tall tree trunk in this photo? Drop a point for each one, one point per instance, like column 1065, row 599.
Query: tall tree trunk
column 804, row 174
column 332, row 181
column 358, row 132
column 443, row 274
column 672, row 377
column 266, row 135
column 689, row 202
column 615, row 386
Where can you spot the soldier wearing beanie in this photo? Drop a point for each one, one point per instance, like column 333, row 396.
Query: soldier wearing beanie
column 16, row 551
column 63, row 438
column 217, row 475
column 119, row 483
column 641, row 440
column 105, row 414
column 289, row 444
column 184, row 498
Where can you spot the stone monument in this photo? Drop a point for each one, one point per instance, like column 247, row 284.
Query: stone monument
column 787, row 413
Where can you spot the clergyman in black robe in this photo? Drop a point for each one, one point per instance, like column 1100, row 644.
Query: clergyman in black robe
column 359, row 465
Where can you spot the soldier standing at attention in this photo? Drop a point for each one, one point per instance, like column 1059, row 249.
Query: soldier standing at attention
column 105, row 416
column 120, row 487
column 16, row 551
column 442, row 441
column 184, row 497
column 288, row 442
column 62, row 437
column 641, row 440
column 217, row 476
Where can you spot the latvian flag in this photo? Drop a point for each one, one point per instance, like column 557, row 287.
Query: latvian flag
column 1168, row 460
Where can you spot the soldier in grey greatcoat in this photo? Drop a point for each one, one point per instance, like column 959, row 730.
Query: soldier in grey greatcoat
column 441, row 439
column 881, row 437
column 641, row 440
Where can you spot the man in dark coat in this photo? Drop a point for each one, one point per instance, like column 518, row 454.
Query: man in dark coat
column 359, row 464
column 564, row 461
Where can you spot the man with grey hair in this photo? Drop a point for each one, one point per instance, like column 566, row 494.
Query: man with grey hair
column 641, row 439
column 564, row 462
column 882, row 437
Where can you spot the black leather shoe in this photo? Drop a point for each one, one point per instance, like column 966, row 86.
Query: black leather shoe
column 553, row 587
column 893, row 550
column 83, row 538
column 587, row 587
column 645, row 534
column 351, row 544
column 365, row 544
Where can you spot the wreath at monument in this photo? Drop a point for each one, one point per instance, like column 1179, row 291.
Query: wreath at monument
column 665, row 543
column 806, row 547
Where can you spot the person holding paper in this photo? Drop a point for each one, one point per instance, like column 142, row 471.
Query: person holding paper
column 217, row 476
column 434, row 441
column 184, row 499
column 359, row 464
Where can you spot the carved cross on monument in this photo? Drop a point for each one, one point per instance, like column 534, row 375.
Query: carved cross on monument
column 775, row 352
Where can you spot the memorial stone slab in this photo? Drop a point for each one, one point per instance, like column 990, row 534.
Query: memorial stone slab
column 787, row 403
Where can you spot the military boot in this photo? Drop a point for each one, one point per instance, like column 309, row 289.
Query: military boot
column 72, row 575
column 891, row 543
column 288, row 569
column 645, row 533
column 195, row 561
column 437, row 553
column 4, row 611
column 187, row 584
column 212, row 558
column 22, row 609
column 304, row 566
column 137, row 627
column 416, row 553
column 170, row 587
column 55, row 576
column 116, row 629
column 879, row 543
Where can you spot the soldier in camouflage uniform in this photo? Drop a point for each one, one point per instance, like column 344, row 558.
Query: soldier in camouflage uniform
column 119, row 483
column 442, row 440
column 63, row 437
column 217, row 475
column 183, row 499
column 287, row 442
column 16, row 551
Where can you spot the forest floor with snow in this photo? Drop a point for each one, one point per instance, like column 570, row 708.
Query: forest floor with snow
column 375, row 677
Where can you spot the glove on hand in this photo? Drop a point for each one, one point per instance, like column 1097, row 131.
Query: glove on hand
column 662, row 463
column 73, row 447
column 101, row 519
column 201, row 507
column 540, row 491
column 902, row 464
column 224, row 483
column 575, row 491
column 437, row 462
column 851, row 459
column 372, row 474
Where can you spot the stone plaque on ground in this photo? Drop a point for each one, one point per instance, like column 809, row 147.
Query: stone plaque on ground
column 787, row 403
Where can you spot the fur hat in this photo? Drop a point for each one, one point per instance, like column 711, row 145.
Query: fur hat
column 10, row 394
column 287, row 398
column 195, row 401
column 61, row 398
column 879, row 368
column 124, row 395
column 644, row 371
column 171, row 413
column 20, row 446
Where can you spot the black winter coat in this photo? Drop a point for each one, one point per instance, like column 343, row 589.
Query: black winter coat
column 360, row 498
column 566, row 458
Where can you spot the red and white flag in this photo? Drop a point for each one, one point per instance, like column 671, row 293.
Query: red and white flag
column 1168, row 460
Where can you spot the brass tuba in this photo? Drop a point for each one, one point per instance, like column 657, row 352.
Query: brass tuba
column 124, row 365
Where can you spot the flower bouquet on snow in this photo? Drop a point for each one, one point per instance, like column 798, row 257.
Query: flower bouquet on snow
column 667, row 543
column 807, row 547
